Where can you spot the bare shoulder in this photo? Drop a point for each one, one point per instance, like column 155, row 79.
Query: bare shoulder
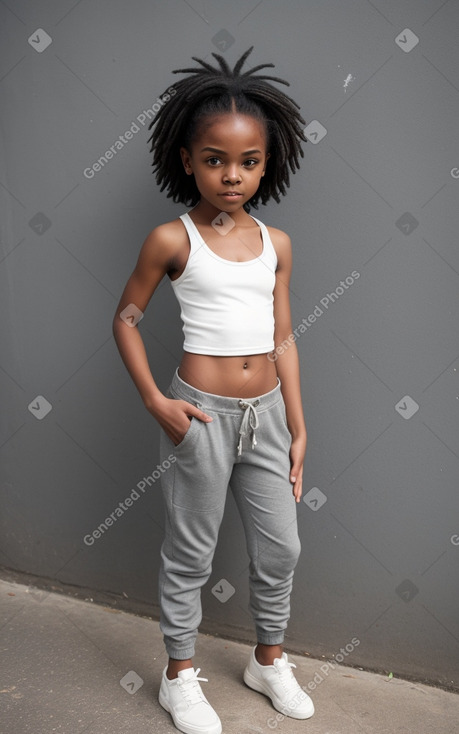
column 281, row 243
column 278, row 235
column 165, row 245
column 167, row 238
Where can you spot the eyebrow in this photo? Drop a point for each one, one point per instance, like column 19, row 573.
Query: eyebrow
column 222, row 152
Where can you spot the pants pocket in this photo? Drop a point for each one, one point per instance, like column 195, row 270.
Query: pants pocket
column 188, row 435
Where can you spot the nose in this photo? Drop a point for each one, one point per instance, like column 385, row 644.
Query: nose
column 232, row 175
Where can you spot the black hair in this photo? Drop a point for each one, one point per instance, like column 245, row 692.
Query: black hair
column 213, row 91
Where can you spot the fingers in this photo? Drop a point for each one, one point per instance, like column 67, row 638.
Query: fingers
column 296, row 478
column 186, row 411
column 296, row 472
column 197, row 413
column 297, row 490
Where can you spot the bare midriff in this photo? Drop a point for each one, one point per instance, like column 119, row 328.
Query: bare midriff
column 236, row 377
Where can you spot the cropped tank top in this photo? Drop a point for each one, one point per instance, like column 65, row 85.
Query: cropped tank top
column 226, row 306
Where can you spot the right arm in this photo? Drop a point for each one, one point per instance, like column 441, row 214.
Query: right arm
column 156, row 258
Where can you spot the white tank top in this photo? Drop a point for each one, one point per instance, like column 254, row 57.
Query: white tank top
column 226, row 306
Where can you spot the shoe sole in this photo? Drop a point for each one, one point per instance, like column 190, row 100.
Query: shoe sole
column 258, row 686
column 187, row 728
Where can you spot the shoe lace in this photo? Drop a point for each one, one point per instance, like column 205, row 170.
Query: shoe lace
column 287, row 678
column 191, row 689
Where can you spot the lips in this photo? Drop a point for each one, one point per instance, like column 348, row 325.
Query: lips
column 231, row 194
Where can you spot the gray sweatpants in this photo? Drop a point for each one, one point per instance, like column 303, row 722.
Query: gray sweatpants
column 246, row 447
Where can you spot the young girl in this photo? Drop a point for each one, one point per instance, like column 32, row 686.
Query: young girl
column 232, row 416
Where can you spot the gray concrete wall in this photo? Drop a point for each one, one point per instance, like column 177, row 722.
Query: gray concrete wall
column 374, row 206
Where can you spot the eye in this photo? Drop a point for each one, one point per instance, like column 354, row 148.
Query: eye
column 213, row 161
column 250, row 162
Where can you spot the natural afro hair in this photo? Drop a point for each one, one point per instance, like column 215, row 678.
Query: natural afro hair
column 214, row 91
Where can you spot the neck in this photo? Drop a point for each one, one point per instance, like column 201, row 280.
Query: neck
column 206, row 212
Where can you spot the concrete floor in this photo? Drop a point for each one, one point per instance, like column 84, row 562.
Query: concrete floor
column 71, row 666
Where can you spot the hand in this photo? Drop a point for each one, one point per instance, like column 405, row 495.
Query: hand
column 174, row 417
column 297, row 452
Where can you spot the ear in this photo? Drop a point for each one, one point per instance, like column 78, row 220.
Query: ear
column 186, row 160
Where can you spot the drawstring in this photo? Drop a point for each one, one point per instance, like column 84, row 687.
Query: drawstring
column 249, row 422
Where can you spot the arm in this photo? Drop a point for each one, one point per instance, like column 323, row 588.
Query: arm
column 287, row 362
column 156, row 258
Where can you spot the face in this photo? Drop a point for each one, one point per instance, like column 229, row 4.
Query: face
column 228, row 159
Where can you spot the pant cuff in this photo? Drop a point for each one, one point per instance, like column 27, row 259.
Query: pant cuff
column 181, row 653
column 270, row 638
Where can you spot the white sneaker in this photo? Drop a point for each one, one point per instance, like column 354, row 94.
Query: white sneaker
column 183, row 698
column 280, row 685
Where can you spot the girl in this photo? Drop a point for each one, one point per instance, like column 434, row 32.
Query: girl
column 224, row 142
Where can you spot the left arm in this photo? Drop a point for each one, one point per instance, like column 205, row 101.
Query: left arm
column 287, row 362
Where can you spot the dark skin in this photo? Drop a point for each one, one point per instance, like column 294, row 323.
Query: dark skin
column 228, row 155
